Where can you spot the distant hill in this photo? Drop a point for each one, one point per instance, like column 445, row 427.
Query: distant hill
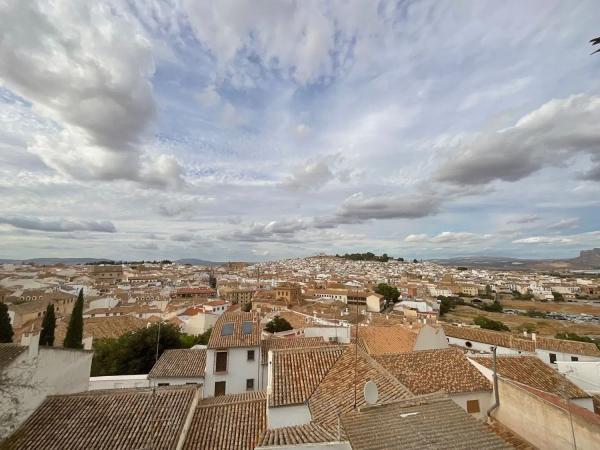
column 587, row 260
column 198, row 262
column 72, row 261
column 49, row 261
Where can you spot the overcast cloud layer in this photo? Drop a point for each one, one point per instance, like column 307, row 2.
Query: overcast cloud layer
column 266, row 129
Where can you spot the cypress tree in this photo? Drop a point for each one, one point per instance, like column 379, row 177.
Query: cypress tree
column 48, row 325
column 6, row 331
column 74, row 336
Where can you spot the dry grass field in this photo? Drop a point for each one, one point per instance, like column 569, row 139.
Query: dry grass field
column 572, row 308
column 517, row 324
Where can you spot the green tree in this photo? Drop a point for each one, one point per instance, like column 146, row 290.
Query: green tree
column 278, row 324
column 390, row 293
column 6, row 331
column 189, row 340
column 494, row 307
column 212, row 281
column 247, row 307
column 135, row 352
column 558, row 297
column 48, row 326
column 490, row 324
column 74, row 336
column 415, row 260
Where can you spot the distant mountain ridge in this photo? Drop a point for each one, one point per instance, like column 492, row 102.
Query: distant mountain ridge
column 587, row 260
column 74, row 261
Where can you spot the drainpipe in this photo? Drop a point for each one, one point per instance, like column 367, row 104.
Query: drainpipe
column 496, row 396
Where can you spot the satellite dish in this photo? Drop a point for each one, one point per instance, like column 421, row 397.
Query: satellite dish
column 371, row 392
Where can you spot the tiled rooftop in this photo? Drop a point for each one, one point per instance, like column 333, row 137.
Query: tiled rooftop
column 489, row 337
column 428, row 371
column 116, row 419
column 230, row 424
column 229, row 331
column 435, row 423
column 297, row 372
column 10, row 352
column 530, row 370
column 288, row 343
column 180, row 363
column 378, row 340
column 335, row 394
column 296, row 435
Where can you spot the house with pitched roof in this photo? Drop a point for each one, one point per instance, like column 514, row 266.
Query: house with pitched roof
column 446, row 370
column 233, row 355
column 179, row 366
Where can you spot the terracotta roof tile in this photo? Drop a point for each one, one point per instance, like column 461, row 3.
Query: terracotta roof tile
column 274, row 343
column 115, row 419
column 435, row 423
column 381, row 340
column 300, row 434
column 531, row 371
column 565, row 346
column 297, row 372
column 489, row 337
column 220, row 338
column 10, row 352
column 428, row 371
column 335, row 394
column 180, row 363
column 236, row 423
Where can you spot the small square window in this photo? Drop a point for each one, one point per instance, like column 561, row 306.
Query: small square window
column 574, row 358
column 552, row 358
column 472, row 406
column 227, row 329
column 250, row 384
column 250, row 355
column 246, row 327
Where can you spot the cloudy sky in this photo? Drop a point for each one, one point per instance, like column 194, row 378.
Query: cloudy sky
column 265, row 129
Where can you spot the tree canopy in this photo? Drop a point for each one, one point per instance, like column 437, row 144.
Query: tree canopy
column 6, row 331
column 135, row 352
column 74, row 336
column 490, row 324
column 278, row 324
column 390, row 293
column 48, row 326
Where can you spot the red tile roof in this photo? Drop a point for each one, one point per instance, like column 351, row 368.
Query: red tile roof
column 180, row 363
column 237, row 338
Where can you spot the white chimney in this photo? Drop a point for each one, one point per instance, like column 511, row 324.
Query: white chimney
column 87, row 342
column 533, row 337
column 32, row 341
column 525, row 333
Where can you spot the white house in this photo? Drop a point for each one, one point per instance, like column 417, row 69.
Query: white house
column 233, row 355
column 29, row 372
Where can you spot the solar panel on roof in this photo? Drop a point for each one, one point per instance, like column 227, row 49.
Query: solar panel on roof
column 246, row 327
column 227, row 329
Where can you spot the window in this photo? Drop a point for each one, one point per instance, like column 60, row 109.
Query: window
column 250, row 384
column 221, row 362
column 472, row 406
column 552, row 358
column 574, row 358
column 246, row 327
column 468, row 344
column 163, row 384
column 227, row 329
column 219, row 388
column 250, row 355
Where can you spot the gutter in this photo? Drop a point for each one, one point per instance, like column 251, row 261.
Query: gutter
column 496, row 395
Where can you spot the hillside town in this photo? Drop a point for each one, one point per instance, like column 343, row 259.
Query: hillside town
column 318, row 352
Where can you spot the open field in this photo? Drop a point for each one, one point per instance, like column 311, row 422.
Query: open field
column 572, row 308
column 517, row 323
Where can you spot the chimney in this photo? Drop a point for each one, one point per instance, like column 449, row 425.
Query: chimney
column 525, row 333
column 533, row 337
column 87, row 342
column 32, row 341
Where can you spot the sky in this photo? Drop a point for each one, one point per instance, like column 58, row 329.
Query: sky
column 259, row 130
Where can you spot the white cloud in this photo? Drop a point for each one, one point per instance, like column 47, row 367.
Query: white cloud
column 548, row 136
column 78, row 70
